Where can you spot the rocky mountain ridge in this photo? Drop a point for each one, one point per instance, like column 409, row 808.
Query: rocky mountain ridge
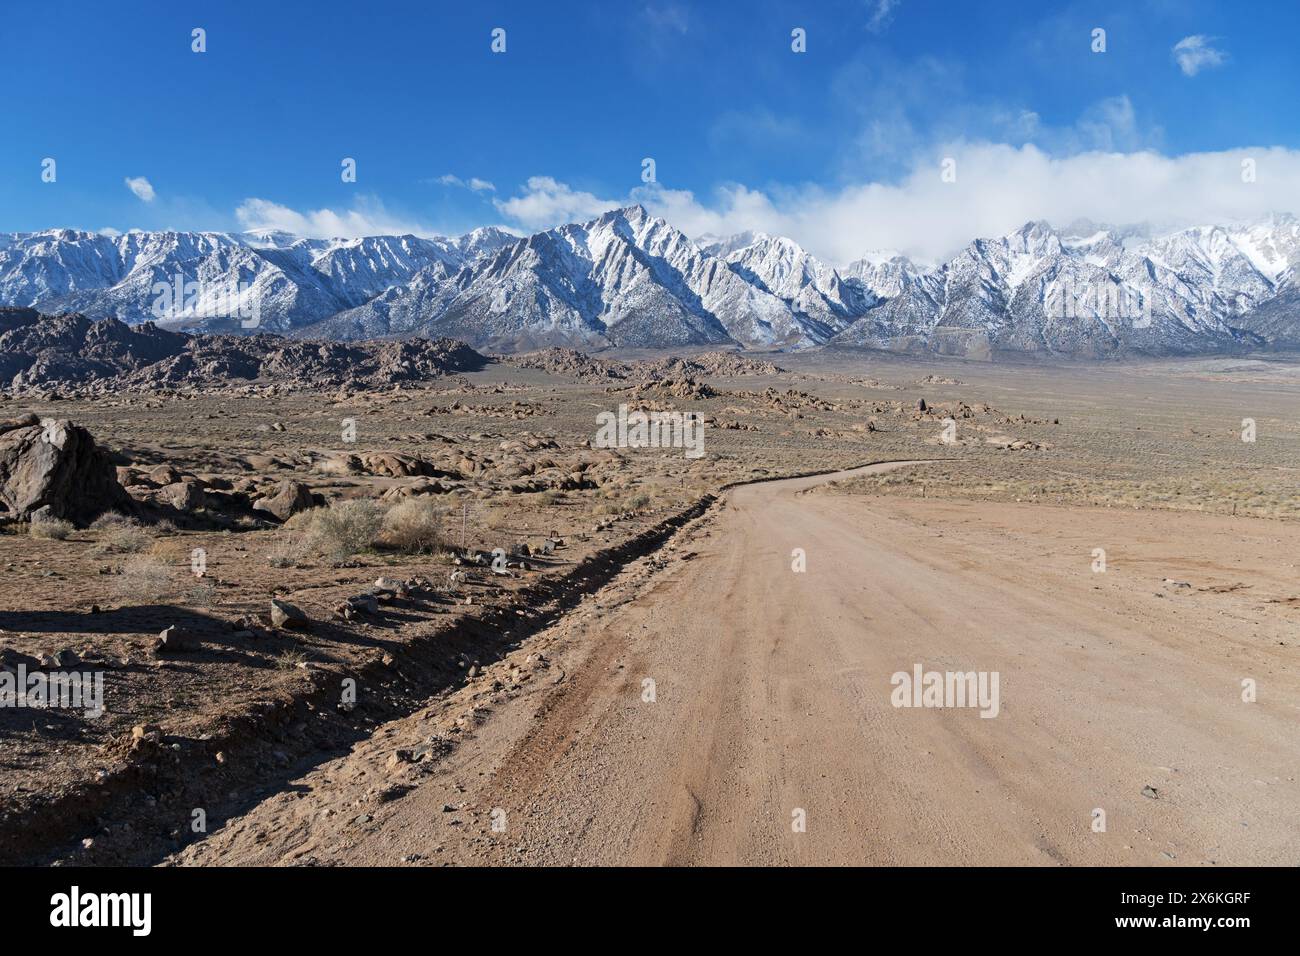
column 629, row 279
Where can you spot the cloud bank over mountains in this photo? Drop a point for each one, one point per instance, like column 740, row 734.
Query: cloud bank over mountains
column 992, row 190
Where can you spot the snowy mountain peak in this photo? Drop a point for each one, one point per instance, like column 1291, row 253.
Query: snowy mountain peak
column 630, row 278
column 269, row 238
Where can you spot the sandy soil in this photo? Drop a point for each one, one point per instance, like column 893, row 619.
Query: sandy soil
column 1119, row 691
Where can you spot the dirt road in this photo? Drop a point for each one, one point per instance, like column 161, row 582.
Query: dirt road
column 768, row 735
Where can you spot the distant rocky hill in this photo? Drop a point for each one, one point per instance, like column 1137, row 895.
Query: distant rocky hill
column 40, row 352
column 589, row 368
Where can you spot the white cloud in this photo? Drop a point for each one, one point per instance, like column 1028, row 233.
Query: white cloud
column 998, row 188
column 1195, row 53
column 142, row 188
column 1109, row 125
column 474, row 183
column 668, row 16
column 110, row 232
column 546, row 202
column 1106, row 167
column 881, row 11
column 367, row 218
column 902, row 109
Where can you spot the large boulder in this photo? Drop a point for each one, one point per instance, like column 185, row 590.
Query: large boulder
column 56, row 464
column 183, row 495
column 289, row 499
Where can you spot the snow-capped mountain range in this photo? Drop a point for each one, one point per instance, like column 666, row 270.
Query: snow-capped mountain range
column 294, row 281
column 630, row 279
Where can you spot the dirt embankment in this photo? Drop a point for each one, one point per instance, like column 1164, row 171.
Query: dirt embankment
column 140, row 804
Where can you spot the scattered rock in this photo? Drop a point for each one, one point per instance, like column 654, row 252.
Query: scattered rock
column 398, row 758
column 177, row 640
column 144, row 736
column 357, row 605
column 288, row 616
column 386, row 589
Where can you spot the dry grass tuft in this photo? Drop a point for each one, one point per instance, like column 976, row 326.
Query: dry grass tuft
column 413, row 526
column 51, row 529
column 119, row 534
column 145, row 579
column 346, row 528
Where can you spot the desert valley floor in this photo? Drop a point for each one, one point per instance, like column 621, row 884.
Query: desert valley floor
column 429, row 709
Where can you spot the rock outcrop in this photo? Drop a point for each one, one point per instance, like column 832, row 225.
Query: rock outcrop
column 55, row 464
column 41, row 352
column 290, row 498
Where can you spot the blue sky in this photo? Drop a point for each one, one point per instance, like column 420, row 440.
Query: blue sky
column 838, row 146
